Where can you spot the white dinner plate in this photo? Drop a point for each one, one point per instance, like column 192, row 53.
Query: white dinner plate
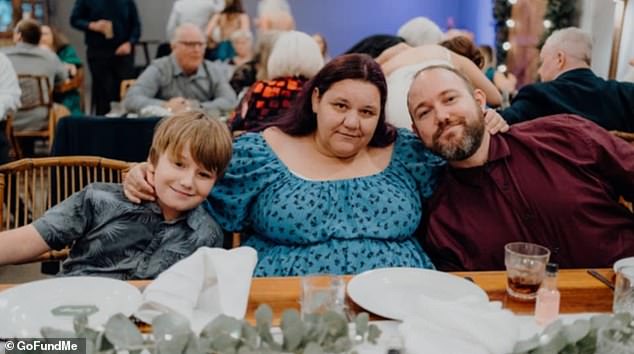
column 629, row 261
column 391, row 292
column 26, row 308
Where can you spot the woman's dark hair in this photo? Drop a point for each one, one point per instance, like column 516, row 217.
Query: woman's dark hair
column 465, row 47
column 375, row 45
column 59, row 40
column 233, row 7
column 299, row 120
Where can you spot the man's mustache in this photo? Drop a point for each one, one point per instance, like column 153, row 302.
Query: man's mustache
column 443, row 126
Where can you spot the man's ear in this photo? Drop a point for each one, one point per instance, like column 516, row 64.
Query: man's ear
column 480, row 97
column 561, row 59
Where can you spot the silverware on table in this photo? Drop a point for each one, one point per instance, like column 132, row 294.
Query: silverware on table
column 601, row 278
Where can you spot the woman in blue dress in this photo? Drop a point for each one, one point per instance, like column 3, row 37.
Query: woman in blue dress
column 330, row 187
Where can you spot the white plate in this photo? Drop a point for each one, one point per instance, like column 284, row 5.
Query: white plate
column 623, row 262
column 391, row 292
column 26, row 308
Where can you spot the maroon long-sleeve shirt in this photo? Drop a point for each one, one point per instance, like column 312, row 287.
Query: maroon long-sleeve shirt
column 554, row 181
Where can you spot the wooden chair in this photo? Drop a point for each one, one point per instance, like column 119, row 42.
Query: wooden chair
column 36, row 92
column 29, row 187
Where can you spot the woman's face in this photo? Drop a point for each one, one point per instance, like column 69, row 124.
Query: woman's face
column 47, row 37
column 347, row 115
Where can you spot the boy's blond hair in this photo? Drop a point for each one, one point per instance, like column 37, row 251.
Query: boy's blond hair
column 209, row 140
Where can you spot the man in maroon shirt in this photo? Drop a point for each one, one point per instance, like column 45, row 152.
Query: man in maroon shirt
column 553, row 181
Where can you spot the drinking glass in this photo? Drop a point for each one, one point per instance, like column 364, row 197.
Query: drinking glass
column 321, row 293
column 525, row 268
column 624, row 290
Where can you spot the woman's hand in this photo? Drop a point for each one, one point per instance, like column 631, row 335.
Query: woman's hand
column 494, row 122
column 136, row 185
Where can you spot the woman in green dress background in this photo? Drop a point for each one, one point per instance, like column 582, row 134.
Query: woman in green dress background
column 69, row 95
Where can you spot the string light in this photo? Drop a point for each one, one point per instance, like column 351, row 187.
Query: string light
column 510, row 23
column 548, row 24
column 506, row 46
column 502, row 68
column 512, row 2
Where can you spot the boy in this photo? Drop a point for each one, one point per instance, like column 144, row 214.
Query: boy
column 113, row 237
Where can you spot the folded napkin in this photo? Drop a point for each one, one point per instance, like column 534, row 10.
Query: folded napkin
column 469, row 325
column 210, row 282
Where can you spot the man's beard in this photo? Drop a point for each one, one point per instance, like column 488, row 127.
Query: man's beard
column 466, row 146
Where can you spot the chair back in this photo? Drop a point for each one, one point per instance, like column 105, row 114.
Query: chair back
column 36, row 91
column 32, row 186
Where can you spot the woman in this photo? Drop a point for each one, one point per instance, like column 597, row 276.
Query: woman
column 295, row 58
column 222, row 25
column 330, row 187
column 54, row 41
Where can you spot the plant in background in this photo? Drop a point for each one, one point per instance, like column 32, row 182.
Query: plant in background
column 316, row 334
column 501, row 13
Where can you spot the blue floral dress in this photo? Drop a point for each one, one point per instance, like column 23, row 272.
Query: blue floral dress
column 345, row 226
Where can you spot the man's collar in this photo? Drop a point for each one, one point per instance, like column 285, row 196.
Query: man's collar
column 179, row 72
column 575, row 71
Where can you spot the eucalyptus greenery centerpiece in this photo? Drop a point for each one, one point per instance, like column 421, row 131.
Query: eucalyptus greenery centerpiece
column 316, row 334
column 580, row 337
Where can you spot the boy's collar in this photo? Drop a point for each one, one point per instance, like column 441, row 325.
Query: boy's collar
column 192, row 216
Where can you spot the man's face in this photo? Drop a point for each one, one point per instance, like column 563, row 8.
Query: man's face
column 189, row 49
column 549, row 63
column 446, row 115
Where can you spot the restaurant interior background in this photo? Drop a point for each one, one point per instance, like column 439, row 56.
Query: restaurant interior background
column 344, row 22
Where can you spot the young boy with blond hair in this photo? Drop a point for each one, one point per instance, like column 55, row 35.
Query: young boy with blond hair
column 113, row 237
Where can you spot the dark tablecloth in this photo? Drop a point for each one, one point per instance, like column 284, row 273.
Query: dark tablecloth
column 126, row 139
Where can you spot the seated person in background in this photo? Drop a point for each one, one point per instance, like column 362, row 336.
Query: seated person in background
column 375, row 44
column 400, row 70
column 29, row 59
column 295, row 59
column 505, row 81
column 197, row 12
column 53, row 40
column 112, row 237
column 222, row 25
column 9, row 102
column 323, row 46
column 183, row 80
column 248, row 73
column 274, row 15
column 554, row 181
column 329, row 187
column 242, row 42
column 569, row 86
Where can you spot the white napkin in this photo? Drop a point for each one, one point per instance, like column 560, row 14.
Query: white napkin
column 210, row 282
column 469, row 325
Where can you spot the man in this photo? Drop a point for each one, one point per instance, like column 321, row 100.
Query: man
column 9, row 101
column 554, row 181
column 569, row 86
column 29, row 59
column 183, row 80
column 112, row 28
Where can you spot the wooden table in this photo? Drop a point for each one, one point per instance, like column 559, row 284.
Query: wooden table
column 580, row 292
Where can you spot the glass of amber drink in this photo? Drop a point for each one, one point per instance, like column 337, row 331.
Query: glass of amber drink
column 525, row 268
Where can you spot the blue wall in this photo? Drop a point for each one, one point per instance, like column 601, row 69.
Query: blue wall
column 344, row 22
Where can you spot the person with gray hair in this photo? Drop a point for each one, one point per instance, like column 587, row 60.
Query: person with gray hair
column 420, row 31
column 184, row 80
column 569, row 86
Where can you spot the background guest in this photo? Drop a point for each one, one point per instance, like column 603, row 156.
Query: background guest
column 184, row 80
column 295, row 59
column 29, row 59
column 111, row 29
column 221, row 26
column 569, row 86
column 242, row 42
column 9, row 102
column 56, row 42
column 198, row 12
column 255, row 69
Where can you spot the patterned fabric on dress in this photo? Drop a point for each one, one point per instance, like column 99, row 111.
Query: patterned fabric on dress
column 346, row 226
column 113, row 237
column 266, row 100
